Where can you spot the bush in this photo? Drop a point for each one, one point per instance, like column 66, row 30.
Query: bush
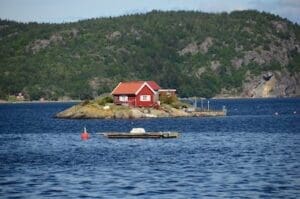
column 165, row 99
column 105, row 100
column 172, row 101
column 85, row 102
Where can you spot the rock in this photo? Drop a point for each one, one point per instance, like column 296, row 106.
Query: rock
column 178, row 113
column 93, row 110
column 214, row 65
column 239, row 48
column 278, row 84
column 56, row 38
column 37, row 45
column 267, row 76
column 114, row 35
column 200, row 71
column 2, row 101
column 191, row 48
column 276, row 52
column 159, row 113
column 206, row 44
column 40, row 44
column 280, row 26
column 150, row 115
column 288, row 84
column 237, row 63
column 136, row 113
column 85, row 111
column 106, row 107
column 74, row 32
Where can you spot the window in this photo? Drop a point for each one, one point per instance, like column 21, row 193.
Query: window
column 123, row 98
column 145, row 98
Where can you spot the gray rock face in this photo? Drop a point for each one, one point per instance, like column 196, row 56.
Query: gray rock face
column 193, row 48
column 56, row 38
column 280, row 26
column 279, row 84
column 288, row 85
column 190, row 48
column 237, row 63
column 204, row 46
column 114, row 35
column 277, row 51
column 214, row 65
column 267, row 76
column 38, row 45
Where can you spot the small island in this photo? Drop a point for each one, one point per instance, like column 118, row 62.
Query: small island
column 138, row 99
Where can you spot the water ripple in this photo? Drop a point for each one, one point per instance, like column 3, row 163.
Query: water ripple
column 245, row 155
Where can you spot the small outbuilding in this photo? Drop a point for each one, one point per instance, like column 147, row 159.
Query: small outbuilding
column 167, row 92
column 137, row 94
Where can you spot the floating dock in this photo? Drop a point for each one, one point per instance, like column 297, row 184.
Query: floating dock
column 140, row 133
column 153, row 135
column 208, row 113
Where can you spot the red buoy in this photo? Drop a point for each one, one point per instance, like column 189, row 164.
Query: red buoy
column 85, row 135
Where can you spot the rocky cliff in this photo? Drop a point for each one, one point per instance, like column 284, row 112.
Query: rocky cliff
column 272, row 84
column 268, row 84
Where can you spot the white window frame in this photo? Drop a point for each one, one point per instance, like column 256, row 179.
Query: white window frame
column 123, row 98
column 145, row 98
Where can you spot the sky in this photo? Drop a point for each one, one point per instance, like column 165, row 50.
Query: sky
column 59, row 11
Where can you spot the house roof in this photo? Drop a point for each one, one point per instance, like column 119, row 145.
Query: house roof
column 134, row 87
column 153, row 85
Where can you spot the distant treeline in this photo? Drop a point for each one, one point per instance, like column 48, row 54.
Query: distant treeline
column 197, row 53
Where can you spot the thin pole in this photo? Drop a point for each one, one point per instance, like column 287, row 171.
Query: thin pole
column 208, row 105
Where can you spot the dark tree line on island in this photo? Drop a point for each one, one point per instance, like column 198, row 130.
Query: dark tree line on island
column 197, row 53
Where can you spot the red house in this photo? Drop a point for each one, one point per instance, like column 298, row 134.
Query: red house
column 136, row 93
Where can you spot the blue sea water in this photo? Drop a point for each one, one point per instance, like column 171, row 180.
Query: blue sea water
column 251, row 153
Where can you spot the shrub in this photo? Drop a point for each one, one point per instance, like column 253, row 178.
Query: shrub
column 85, row 102
column 172, row 101
column 105, row 100
column 165, row 99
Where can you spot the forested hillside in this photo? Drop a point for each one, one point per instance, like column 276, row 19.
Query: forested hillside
column 197, row 53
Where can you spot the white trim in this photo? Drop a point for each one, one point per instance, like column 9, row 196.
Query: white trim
column 147, row 98
column 112, row 93
column 123, row 98
column 144, row 84
column 166, row 90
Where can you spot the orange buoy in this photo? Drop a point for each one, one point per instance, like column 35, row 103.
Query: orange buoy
column 85, row 135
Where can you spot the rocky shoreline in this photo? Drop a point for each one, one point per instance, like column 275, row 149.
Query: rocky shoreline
column 95, row 111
